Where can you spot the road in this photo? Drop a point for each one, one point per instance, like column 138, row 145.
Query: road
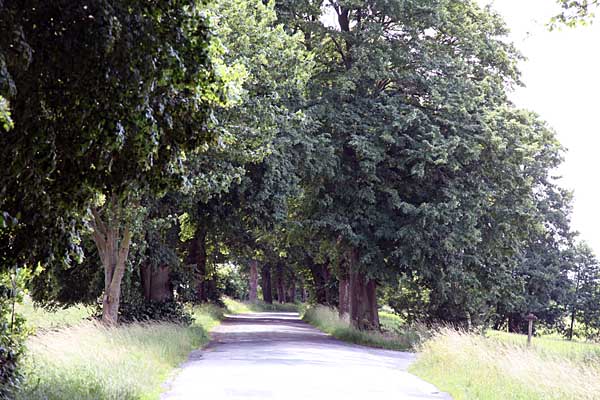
column 278, row 356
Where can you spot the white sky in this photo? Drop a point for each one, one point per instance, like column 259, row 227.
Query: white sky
column 562, row 78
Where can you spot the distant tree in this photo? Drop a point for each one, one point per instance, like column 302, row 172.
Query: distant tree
column 585, row 290
column 237, row 190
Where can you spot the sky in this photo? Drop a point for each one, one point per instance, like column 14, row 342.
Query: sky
column 562, row 84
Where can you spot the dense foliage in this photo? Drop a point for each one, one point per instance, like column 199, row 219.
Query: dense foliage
column 349, row 153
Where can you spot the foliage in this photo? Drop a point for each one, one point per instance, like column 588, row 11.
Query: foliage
column 574, row 12
column 169, row 311
column 5, row 121
column 231, row 281
column 584, row 293
column 434, row 178
column 12, row 329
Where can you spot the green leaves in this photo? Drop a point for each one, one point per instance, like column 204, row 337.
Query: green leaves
column 574, row 12
column 5, row 120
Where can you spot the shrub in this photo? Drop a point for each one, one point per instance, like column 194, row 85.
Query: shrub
column 170, row 311
column 12, row 331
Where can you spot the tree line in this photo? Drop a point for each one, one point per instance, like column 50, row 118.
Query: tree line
column 355, row 154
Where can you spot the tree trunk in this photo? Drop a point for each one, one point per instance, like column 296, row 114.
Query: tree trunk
column 320, row 282
column 362, row 297
column 253, row 281
column 343, row 305
column 197, row 258
column 326, row 280
column 156, row 283
column 343, row 289
column 266, row 284
column 113, row 250
column 279, row 283
column 291, row 296
column 574, row 306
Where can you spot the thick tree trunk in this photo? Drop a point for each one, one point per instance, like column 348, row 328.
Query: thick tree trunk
column 156, row 283
column 343, row 304
column 362, row 297
column 574, row 308
column 343, row 289
column 320, row 275
column 253, row 281
column 279, row 283
column 113, row 250
column 266, row 284
column 197, row 258
column 326, row 280
column 291, row 295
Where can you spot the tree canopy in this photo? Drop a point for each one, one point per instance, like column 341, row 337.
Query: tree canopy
column 351, row 153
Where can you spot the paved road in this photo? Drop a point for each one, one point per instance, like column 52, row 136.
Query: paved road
column 277, row 356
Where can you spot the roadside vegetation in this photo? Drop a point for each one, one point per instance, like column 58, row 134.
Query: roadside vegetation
column 470, row 366
column 84, row 359
column 39, row 319
column 395, row 335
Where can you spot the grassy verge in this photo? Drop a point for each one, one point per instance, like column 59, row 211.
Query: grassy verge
column 395, row 335
column 91, row 361
column 238, row 307
column 470, row 366
column 39, row 319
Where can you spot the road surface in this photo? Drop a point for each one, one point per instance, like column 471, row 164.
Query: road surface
column 276, row 356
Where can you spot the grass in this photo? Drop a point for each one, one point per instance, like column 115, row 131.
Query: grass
column 92, row 361
column 239, row 307
column 553, row 346
column 470, row 366
column 395, row 335
column 41, row 319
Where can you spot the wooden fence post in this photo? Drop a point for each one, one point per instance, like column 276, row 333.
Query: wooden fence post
column 530, row 318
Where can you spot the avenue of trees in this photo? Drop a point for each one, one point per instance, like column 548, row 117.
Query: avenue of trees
column 349, row 153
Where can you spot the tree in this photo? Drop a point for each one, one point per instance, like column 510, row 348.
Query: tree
column 106, row 98
column 583, row 299
column 238, row 188
column 434, row 173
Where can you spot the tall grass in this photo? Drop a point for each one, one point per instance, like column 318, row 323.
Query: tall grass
column 396, row 337
column 37, row 318
column 470, row 366
column 92, row 361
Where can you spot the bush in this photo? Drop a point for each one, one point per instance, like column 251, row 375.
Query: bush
column 170, row 311
column 12, row 331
